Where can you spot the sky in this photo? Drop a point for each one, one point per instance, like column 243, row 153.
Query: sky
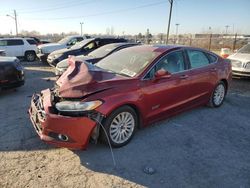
column 126, row 16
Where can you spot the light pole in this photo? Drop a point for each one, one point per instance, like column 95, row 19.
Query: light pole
column 176, row 34
column 15, row 18
column 169, row 19
column 227, row 26
column 81, row 23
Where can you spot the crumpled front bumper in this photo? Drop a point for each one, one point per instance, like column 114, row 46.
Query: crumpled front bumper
column 51, row 126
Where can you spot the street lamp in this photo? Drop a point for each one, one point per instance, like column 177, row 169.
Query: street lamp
column 81, row 23
column 169, row 19
column 227, row 26
column 15, row 18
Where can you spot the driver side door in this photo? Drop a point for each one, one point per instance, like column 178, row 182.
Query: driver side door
column 166, row 95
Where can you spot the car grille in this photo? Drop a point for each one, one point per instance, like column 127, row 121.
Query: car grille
column 236, row 64
column 37, row 101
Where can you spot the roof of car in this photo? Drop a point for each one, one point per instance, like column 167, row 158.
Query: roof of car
column 19, row 38
column 157, row 48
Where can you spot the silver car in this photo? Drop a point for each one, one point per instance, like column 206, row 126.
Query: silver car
column 241, row 61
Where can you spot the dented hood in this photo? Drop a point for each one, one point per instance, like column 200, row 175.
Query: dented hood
column 82, row 79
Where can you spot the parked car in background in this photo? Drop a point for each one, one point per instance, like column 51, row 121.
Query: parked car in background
column 225, row 52
column 129, row 89
column 19, row 47
column 94, row 56
column 2, row 53
column 38, row 41
column 241, row 61
column 11, row 72
column 45, row 49
column 81, row 48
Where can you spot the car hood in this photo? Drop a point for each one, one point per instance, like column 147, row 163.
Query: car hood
column 65, row 64
column 240, row 56
column 83, row 79
column 48, row 48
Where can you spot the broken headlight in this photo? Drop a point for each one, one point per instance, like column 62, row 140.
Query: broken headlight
column 73, row 106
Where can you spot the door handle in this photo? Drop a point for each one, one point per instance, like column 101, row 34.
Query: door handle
column 184, row 76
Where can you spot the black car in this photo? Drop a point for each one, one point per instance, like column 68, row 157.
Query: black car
column 82, row 48
column 94, row 56
column 11, row 72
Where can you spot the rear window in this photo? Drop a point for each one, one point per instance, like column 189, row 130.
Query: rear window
column 197, row 58
column 14, row 42
column 212, row 58
column 31, row 41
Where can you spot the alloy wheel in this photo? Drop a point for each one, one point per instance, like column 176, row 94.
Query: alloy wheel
column 122, row 127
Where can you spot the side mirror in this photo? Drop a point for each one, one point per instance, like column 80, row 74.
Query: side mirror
column 162, row 74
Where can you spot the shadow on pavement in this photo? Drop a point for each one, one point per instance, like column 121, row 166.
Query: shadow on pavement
column 204, row 147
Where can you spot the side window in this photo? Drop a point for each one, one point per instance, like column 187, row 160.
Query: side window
column 79, row 39
column 212, row 58
column 90, row 46
column 173, row 62
column 197, row 58
column 3, row 42
column 31, row 41
column 72, row 42
column 103, row 42
column 14, row 42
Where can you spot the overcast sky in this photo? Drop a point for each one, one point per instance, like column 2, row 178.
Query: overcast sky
column 128, row 16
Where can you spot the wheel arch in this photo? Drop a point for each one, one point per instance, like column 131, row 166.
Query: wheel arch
column 225, row 83
column 33, row 51
column 131, row 105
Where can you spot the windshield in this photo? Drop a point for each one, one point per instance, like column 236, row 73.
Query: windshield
column 129, row 61
column 245, row 49
column 64, row 40
column 103, row 51
column 81, row 44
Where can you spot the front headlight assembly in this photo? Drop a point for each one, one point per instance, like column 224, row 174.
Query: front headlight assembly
column 72, row 106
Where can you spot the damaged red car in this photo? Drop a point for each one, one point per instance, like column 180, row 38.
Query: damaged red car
column 129, row 89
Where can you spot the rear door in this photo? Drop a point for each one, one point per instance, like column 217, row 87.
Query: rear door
column 203, row 75
column 15, row 47
column 166, row 96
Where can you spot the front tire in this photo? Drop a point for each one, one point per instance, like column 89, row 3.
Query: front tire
column 30, row 56
column 218, row 96
column 120, row 126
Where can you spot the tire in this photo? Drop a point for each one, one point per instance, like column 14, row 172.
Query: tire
column 114, row 128
column 218, row 96
column 30, row 56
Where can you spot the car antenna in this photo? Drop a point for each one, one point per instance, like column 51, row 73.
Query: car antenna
column 111, row 150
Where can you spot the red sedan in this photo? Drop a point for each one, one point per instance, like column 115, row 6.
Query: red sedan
column 129, row 89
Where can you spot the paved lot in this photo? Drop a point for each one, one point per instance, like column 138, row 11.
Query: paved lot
column 200, row 148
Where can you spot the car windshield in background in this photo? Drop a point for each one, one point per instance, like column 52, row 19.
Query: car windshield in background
column 245, row 49
column 103, row 51
column 81, row 44
column 128, row 61
column 64, row 40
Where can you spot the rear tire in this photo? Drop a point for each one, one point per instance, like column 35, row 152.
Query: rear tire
column 120, row 126
column 30, row 56
column 218, row 96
